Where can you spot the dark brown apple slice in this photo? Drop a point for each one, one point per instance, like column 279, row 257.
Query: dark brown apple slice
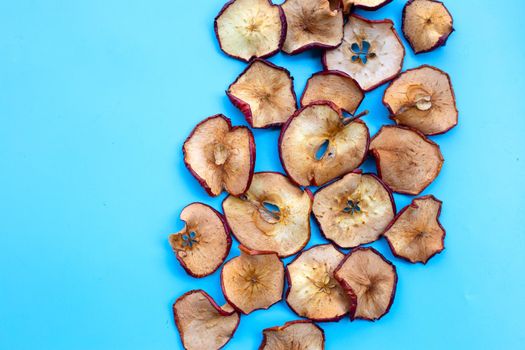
column 203, row 324
column 204, row 242
column 313, row 127
column 423, row 99
column 369, row 5
column 354, row 210
column 264, row 94
column 427, row 24
column 371, row 52
column 294, row 335
column 370, row 280
column 312, row 24
column 248, row 29
column 220, row 156
column 273, row 215
column 416, row 234
column 313, row 291
column 406, row 160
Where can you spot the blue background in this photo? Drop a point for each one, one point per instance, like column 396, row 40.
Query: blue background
column 96, row 99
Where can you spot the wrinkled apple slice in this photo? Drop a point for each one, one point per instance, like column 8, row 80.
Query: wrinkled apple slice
column 370, row 281
column 333, row 86
column 312, row 24
column 273, row 215
column 313, row 291
column 203, row 324
column 264, row 93
column 250, row 28
column 369, row 5
column 219, row 156
column 354, row 210
column 406, row 160
column 427, row 24
column 294, row 335
column 317, row 145
column 371, row 52
column 252, row 281
column 204, row 242
column 416, row 234
column 423, row 99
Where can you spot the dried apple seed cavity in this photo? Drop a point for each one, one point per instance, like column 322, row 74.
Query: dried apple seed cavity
column 364, row 4
column 296, row 335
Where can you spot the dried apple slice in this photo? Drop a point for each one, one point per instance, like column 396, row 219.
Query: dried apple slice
column 369, row 5
column 333, row 86
column 248, row 29
column 313, row 291
column 252, row 281
column 371, row 52
column 416, row 234
column 317, row 145
column 294, row 335
column 370, row 280
column 220, row 156
column 406, row 160
column 354, row 210
column 273, row 215
column 423, row 99
column 312, row 24
column 196, row 315
column 427, row 24
column 264, row 93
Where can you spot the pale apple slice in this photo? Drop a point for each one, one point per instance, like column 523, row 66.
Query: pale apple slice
column 369, row 5
column 406, row 160
column 203, row 324
column 370, row 280
column 264, row 94
column 354, row 210
column 313, row 291
column 253, row 281
column 220, row 156
column 313, row 127
column 293, row 335
column 273, row 215
column 416, row 234
column 371, row 52
column 423, row 99
column 249, row 29
column 427, row 24
column 312, row 24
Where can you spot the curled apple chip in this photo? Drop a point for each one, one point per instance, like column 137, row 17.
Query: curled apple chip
column 423, row 99
column 333, row 86
column 416, row 234
column 252, row 281
column 203, row 324
column 371, row 52
column 312, row 24
column 406, row 160
column 317, row 145
column 427, row 24
column 370, row 280
column 250, row 28
column 354, row 210
column 273, row 215
column 220, row 156
column 369, row 5
column 295, row 335
column 313, row 291
column 264, row 94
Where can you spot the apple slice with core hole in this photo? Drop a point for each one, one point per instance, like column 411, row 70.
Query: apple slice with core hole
column 294, row 335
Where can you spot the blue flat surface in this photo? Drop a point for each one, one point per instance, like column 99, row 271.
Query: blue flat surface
column 96, row 99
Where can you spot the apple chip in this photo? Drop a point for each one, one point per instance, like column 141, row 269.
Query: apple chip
column 369, row 5
column 294, row 335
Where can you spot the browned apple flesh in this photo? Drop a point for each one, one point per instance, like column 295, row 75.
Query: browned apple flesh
column 416, row 234
column 354, row 210
column 203, row 324
column 318, row 125
column 264, row 93
column 294, row 335
column 371, row 52
column 370, row 280
column 273, row 215
column 220, row 156
column 364, row 4
column 423, row 99
column 406, row 160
